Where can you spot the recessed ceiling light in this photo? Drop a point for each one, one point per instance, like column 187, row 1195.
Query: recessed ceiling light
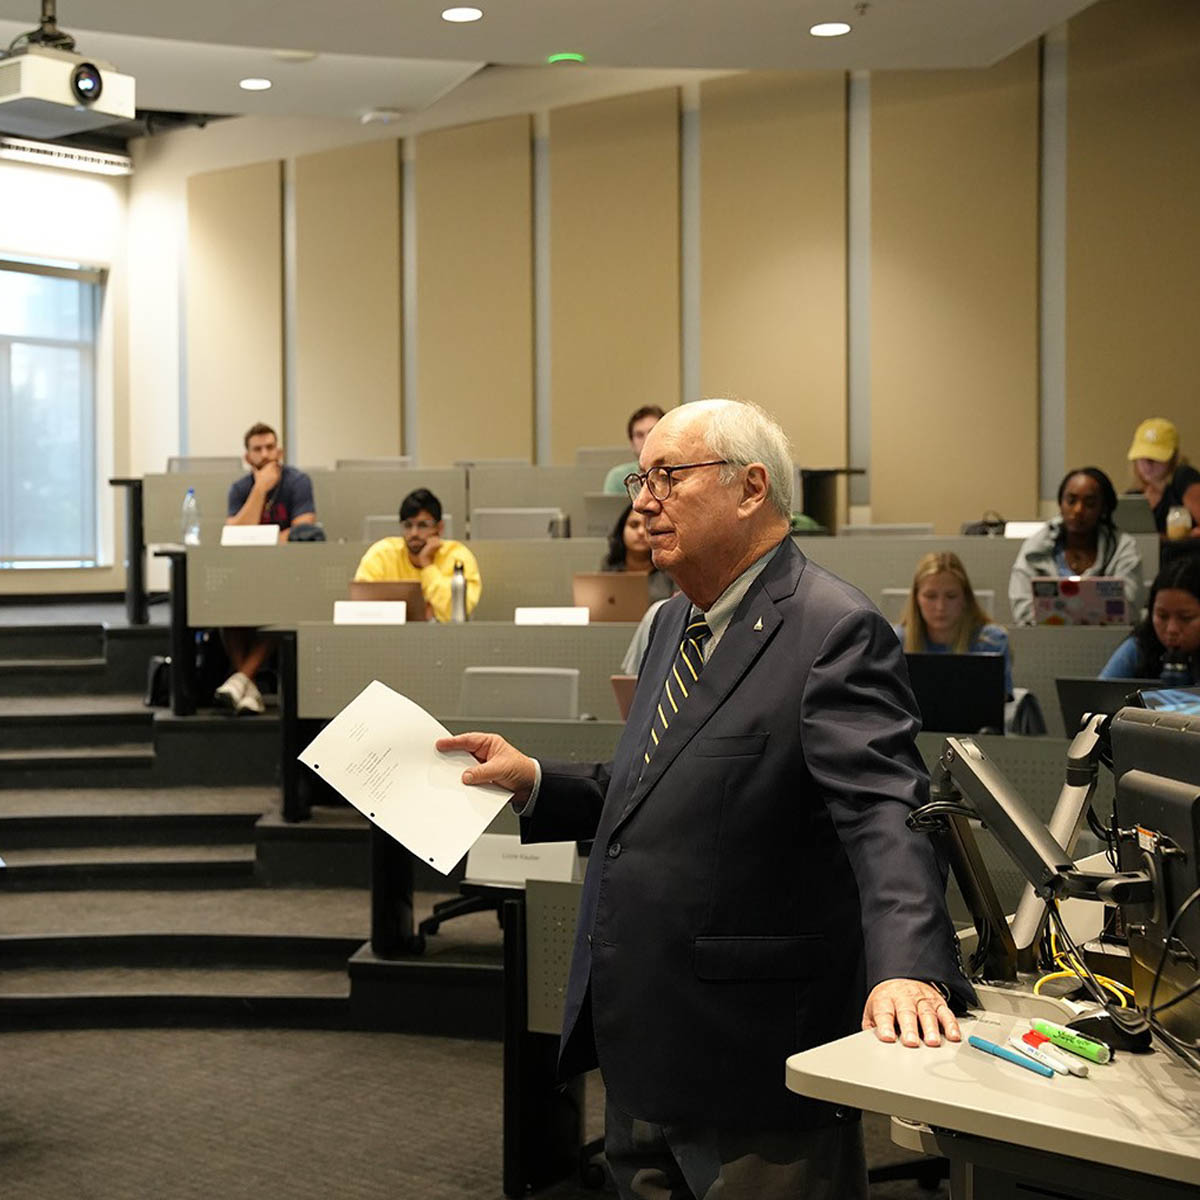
column 460, row 16
column 566, row 56
column 254, row 85
column 830, row 29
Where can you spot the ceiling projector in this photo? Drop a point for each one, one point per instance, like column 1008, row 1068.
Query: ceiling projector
column 50, row 93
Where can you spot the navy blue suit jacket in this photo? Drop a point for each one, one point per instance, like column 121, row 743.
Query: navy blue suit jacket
column 749, row 885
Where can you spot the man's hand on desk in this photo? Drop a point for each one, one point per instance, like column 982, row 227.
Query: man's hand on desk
column 918, row 1009
column 498, row 761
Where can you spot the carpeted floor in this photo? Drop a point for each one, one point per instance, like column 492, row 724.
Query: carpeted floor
column 264, row 1115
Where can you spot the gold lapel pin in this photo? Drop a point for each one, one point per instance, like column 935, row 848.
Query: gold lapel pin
column 758, row 625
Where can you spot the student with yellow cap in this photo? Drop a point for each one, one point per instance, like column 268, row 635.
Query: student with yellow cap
column 1166, row 480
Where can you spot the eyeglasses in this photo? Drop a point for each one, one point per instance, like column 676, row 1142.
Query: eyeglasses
column 658, row 480
column 418, row 526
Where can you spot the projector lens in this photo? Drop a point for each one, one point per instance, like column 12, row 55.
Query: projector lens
column 86, row 83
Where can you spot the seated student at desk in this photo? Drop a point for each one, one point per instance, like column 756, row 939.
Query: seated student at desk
column 271, row 494
column 636, row 428
column 1166, row 480
column 629, row 550
column 422, row 555
column 1166, row 643
column 1081, row 540
column 942, row 615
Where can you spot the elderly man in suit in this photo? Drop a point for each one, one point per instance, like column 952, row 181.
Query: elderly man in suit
column 753, row 889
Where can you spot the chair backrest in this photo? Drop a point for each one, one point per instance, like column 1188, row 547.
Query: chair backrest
column 217, row 465
column 384, row 525
column 916, row 530
column 602, row 510
column 528, row 692
column 374, row 464
column 514, row 522
column 602, row 456
column 491, row 462
column 893, row 599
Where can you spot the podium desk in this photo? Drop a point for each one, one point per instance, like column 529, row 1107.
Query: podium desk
column 1130, row 1129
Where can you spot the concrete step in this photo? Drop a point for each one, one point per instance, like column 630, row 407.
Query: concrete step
column 124, row 866
column 179, row 981
column 53, row 830
column 28, row 722
column 72, row 766
column 40, row 642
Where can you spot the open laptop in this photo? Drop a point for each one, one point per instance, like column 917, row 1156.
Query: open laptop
column 612, row 595
column 1078, row 696
column 623, row 687
column 1079, row 600
column 408, row 590
column 958, row 693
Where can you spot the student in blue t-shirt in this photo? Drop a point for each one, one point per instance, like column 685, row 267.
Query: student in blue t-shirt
column 1166, row 643
column 271, row 494
column 942, row 615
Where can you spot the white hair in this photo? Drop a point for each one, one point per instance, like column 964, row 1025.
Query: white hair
column 742, row 433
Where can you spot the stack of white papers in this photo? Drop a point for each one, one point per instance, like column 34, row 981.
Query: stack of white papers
column 379, row 753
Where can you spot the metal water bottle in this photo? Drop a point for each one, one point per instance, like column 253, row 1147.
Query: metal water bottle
column 458, row 595
column 1175, row 669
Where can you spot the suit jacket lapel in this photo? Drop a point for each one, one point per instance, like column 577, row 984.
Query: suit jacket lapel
column 742, row 642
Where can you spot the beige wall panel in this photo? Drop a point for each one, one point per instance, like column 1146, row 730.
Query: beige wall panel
column 614, row 265
column 347, row 353
column 234, row 305
column 954, row 293
column 475, row 292
column 773, row 252
column 1133, row 233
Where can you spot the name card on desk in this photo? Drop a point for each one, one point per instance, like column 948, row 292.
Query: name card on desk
column 501, row 858
column 560, row 615
column 249, row 535
column 370, row 612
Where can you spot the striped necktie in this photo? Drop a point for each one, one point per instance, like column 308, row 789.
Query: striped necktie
column 681, row 678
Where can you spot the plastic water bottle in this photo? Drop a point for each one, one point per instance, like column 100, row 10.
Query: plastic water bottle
column 190, row 519
column 458, row 595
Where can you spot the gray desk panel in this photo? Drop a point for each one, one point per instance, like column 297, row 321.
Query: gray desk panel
column 426, row 662
column 280, row 585
column 537, row 487
column 1041, row 654
column 873, row 563
column 524, row 572
column 573, row 741
column 162, row 501
column 268, row 585
column 343, row 498
column 551, row 910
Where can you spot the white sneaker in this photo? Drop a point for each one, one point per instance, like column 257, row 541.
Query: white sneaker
column 230, row 693
column 251, row 703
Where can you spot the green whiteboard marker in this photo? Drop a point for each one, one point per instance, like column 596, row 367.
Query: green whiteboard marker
column 1068, row 1039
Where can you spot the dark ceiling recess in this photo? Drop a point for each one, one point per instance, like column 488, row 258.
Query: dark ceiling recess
column 115, row 139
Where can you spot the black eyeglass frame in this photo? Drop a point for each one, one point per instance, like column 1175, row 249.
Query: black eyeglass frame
column 643, row 479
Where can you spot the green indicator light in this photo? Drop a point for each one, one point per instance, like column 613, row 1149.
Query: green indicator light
column 572, row 56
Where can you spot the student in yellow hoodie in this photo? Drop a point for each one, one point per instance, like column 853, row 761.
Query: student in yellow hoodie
column 422, row 554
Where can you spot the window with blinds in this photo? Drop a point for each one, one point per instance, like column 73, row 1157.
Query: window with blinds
column 49, row 314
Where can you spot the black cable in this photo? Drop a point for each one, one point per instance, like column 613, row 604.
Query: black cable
column 1151, row 1011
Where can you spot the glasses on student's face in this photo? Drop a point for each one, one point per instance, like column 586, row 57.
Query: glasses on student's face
column 418, row 526
column 658, row 480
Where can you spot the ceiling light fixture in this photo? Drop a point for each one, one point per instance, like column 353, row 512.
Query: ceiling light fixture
column 254, row 85
column 461, row 16
column 566, row 56
column 830, row 29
